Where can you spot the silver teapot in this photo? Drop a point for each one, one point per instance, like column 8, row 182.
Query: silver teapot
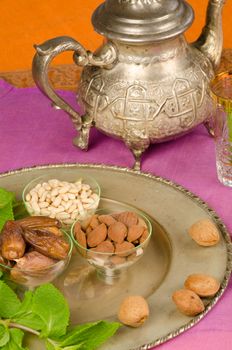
column 145, row 84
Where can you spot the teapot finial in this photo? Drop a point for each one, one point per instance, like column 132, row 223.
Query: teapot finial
column 142, row 21
column 210, row 41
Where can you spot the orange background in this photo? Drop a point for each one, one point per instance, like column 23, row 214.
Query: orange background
column 26, row 22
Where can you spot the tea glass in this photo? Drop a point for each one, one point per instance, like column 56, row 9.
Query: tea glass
column 221, row 91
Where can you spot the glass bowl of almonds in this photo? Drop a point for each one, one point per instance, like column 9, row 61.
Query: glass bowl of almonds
column 34, row 250
column 63, row 198
column 112, row 241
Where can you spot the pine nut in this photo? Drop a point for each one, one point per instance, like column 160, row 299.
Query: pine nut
column 35, row 207
column 57, row 201
column 28, row 197
column 43, row 205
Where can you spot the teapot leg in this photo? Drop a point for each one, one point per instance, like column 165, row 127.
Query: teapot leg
column 137, row 153
column 82, row 140
column 209, row 128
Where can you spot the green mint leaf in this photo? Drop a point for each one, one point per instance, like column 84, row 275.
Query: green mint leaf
column 16, row 339
column 25, row 315
column 4, row 335
column 6, row 197
column 90, row 335
column 6, row 213
column 74, row 347
column 50, row 305
column 50, row 346
column 9, row 302
column 19, row 210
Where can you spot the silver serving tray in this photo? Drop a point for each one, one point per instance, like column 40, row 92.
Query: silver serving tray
column 169, row 259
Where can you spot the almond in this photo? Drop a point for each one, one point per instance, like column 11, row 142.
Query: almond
column 81, row 238
column 132, row 257
column 188, row 302
column 128, row 218
column 85, row 223
column 117, row 260
column 141, row 222
column 124, row 249
column 204, row 233
column 94, row 221
column 117, row 232
column 134, row 233
column 106, row 219
column 144, row 236
column 97, row 235
column 203, row 285
column 105, row 247
column 89, row 229
column 77, row 228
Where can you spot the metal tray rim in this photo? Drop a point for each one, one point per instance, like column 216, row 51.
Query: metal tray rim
column 186, row 192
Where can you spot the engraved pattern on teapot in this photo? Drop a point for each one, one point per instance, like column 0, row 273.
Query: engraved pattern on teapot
column 119, row 104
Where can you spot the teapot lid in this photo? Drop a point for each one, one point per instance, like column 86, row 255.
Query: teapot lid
column 141, row 21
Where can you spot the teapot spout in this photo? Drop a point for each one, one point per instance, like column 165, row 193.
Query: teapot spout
column 210, row 42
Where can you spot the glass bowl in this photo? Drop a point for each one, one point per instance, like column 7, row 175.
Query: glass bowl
column 44, row 196
column 110, row 265
column 32, row 277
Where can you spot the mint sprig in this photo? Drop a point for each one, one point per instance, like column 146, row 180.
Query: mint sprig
column 9, row 302
column 10, row 209
column 47, row 302
column 45, row 313
column 6, row 206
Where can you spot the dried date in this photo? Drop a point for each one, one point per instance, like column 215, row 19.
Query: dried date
column 34, row 222
column 48, row 244
column 34, row 261
column 12, row 243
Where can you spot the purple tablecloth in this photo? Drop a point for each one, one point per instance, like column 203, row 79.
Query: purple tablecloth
column 32, row 133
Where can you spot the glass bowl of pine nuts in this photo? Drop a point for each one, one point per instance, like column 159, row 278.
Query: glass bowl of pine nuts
column 65, row 198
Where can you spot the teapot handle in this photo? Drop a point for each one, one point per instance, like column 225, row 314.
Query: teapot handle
column 47, row 51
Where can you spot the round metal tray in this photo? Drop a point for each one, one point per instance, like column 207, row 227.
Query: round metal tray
column 169, row 259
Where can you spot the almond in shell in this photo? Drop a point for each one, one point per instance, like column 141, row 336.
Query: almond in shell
column 203, row 285
column 133, row 311
column 204, row 233
column 188, row 302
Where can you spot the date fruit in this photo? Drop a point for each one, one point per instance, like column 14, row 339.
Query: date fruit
column 34, row 261
column 48, row 244
column 33, row 222
column 12, row 243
